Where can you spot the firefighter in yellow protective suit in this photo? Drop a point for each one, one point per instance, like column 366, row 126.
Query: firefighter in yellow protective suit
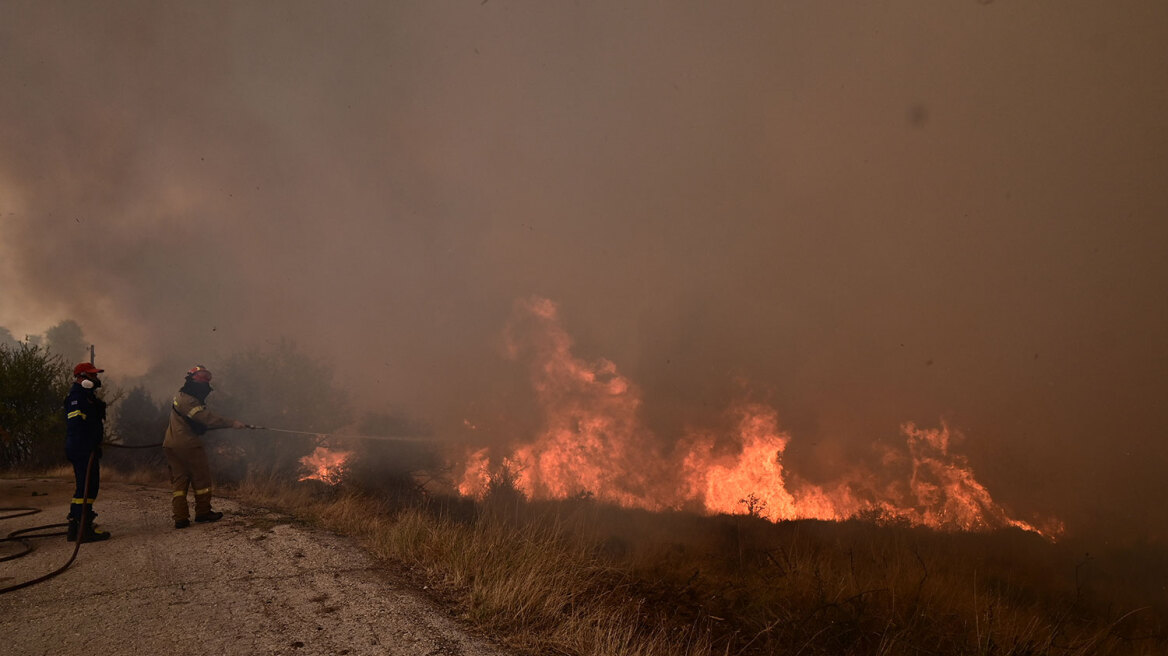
column 185, row 456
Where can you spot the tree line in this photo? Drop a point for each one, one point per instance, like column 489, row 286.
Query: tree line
column 278, row 386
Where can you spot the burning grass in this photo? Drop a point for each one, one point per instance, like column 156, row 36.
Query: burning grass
column 594, row 439
column 580, row 577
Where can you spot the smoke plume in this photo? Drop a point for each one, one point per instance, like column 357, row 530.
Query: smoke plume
column 861, row 217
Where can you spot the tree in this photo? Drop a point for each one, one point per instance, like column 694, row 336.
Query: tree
column 7, row 340
column 33, row 385
column 66, row 340
column 140, row 420
column 282, row 388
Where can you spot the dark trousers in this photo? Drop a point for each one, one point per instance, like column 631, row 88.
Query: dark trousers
column 80, row 496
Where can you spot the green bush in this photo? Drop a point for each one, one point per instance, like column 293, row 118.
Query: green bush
column 33, row 385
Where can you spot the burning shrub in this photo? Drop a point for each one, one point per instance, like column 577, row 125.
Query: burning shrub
column 280, row 388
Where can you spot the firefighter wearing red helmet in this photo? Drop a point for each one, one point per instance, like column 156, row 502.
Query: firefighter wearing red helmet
column 84, row 431
column 185, row 456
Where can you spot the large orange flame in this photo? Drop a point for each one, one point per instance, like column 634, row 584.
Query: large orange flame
column 594, row 443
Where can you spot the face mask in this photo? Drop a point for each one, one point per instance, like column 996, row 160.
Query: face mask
column 197, row 390
column 88, row 384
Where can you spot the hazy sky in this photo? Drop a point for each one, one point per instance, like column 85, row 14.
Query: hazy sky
column 863, row 213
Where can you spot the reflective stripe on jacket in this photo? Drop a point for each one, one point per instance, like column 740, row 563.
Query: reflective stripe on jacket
column 84, row 421
column 188, row 415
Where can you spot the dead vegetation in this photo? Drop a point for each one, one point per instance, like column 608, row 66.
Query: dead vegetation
column 578, row 577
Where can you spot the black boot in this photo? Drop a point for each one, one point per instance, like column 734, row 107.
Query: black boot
column 92, row 533
column 95, row 534
column 212, row 516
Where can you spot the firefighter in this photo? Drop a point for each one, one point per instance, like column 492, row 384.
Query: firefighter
column 84, row 431
column 185, row 456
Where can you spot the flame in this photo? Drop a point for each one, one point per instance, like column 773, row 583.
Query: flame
column 476, row 474
column 324, row 465
column 593, row 443
column 751, row 477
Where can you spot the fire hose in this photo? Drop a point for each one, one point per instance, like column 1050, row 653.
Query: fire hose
column 12, row 537
column 22, row 536
column 376, row 438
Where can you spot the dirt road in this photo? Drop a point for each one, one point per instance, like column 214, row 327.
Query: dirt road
column 252, row 583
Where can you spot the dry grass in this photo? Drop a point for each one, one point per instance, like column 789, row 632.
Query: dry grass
column 580, row 578
column 529, row 581
column 57, row 471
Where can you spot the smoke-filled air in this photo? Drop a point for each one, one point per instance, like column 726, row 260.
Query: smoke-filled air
column 901, row 261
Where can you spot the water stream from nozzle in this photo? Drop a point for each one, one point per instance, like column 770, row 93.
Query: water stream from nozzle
column 378, row 438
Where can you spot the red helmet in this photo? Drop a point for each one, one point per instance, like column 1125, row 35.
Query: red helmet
column 85, row 368
column 199, row 374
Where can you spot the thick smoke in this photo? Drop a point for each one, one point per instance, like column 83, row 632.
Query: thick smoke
column 863, row 216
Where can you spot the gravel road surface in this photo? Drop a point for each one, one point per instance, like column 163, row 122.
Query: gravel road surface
column 252, row 583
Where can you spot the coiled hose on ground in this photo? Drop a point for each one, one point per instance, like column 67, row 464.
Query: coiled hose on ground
column 23, row 535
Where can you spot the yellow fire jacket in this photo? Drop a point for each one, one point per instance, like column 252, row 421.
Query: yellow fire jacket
column 189, row 418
